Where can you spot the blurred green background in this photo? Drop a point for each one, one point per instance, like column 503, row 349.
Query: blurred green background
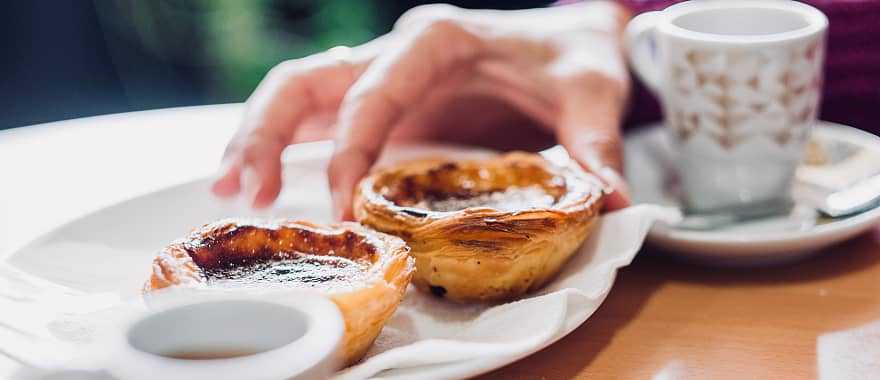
column 71, row 58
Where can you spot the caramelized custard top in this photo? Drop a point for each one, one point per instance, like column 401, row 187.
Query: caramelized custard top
column 452, row 186
column 510, row 199
column 241, row 254
column 289, row 269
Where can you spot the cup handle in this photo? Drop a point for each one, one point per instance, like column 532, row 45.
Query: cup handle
column 641, row 48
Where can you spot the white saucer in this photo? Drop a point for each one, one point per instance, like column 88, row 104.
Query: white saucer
column 650, row 168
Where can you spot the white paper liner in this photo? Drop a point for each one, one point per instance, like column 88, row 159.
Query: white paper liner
column 427, row 338
column 428, row 331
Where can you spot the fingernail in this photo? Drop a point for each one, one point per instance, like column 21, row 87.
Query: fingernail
column 220, row 186
column 217, row 190
column 259, row 205
column 608, row 174
column 221, row 197
column 613, row 179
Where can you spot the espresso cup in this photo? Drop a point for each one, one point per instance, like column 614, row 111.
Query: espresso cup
column 739, row 83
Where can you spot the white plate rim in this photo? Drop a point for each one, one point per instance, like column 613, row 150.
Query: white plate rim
column 320, row 151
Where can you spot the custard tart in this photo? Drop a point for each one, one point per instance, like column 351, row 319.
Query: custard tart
column 364, row 272
column 483, row 230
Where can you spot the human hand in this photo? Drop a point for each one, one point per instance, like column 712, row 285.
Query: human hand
column 445, row 73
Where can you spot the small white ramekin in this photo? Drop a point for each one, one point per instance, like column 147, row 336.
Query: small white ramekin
column 291, row 335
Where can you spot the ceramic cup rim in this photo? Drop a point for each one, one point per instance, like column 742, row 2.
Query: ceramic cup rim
column 316, row 346
column 816, row 21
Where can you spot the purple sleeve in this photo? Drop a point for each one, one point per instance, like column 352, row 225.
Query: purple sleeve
column 852, row 67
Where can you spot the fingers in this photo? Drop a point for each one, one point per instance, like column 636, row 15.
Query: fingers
column 589, row 128
column 380, row 98
column 289, row 94
column 593, row 88
column 270, row 122
column 257, row 176
column 228, row 182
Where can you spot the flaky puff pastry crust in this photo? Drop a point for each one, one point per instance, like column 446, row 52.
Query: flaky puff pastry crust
column 365, row 304
column 482, row 253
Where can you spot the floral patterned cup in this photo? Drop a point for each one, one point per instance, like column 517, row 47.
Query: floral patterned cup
column 740, row 83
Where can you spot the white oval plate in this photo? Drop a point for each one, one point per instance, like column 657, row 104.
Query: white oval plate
column 111, row 250
column 765, row 242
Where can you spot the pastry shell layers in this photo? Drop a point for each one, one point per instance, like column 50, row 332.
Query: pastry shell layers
column 480, row 253
column 367, row 296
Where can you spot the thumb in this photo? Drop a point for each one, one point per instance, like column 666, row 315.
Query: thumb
column 589, row 129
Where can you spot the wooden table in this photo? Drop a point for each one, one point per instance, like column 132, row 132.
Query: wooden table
column 664, row 319
column 670, row 320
